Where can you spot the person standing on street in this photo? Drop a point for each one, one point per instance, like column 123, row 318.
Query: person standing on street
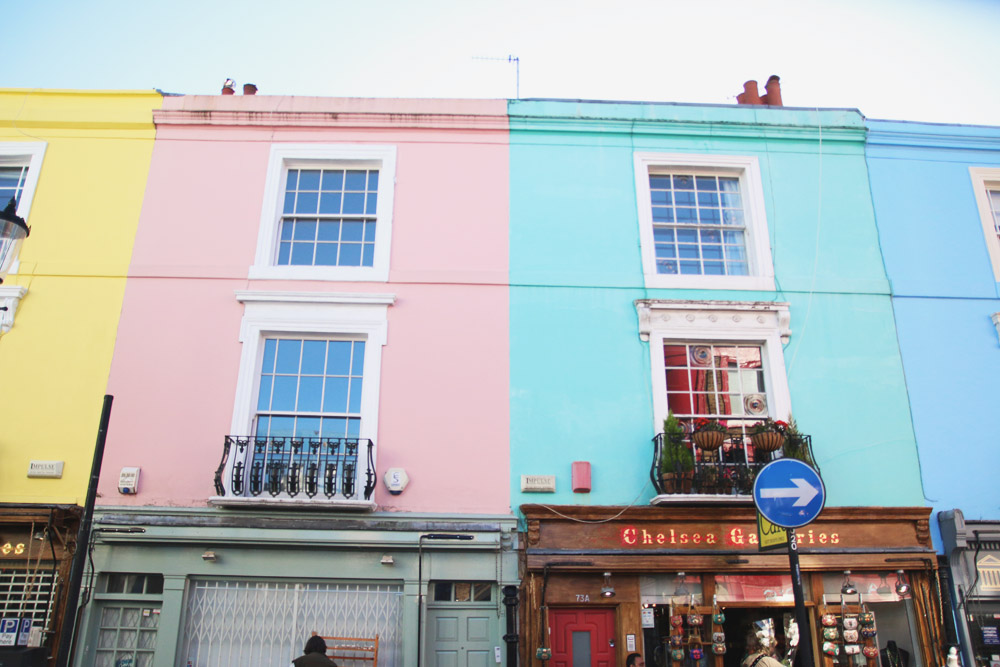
column 314, row 654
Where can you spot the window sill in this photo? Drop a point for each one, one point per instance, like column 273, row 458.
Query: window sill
column 297, row 503
column 759, row 283
column 341, row 273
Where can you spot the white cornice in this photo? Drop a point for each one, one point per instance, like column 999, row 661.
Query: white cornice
column 264, row 296
column 722, row 318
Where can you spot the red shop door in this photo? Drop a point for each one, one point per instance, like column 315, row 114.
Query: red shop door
column 582, row 637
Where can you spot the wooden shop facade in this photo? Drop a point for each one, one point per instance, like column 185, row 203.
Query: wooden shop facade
column 682, row 585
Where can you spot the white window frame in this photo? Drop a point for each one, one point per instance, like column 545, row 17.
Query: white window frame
column 20, row 154
column 985, row 179
column 757, row 237
column 324, row 156
column 762, row 322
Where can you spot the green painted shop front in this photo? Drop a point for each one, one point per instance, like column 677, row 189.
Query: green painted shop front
column 207, row 588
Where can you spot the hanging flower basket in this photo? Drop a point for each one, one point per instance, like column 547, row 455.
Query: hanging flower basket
column 768, row 441
column 708, row 440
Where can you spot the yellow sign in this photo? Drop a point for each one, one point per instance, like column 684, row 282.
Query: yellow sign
column 769, row 535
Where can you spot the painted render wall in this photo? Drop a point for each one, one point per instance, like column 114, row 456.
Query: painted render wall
column 443, row 405
column 55, row 359
column 944, row 293
column 580, row 378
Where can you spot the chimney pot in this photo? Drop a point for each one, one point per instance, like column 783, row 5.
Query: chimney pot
column 750, row 94
column 227, row 87
column 773, row 91
column 249, row 89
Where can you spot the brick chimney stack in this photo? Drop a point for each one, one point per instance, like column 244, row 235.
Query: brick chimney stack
column 771, row 98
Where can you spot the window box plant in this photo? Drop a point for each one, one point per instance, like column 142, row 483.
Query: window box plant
column 795, row 446
column 676, row 458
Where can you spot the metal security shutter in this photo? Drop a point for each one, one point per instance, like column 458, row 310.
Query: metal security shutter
column 266, row 623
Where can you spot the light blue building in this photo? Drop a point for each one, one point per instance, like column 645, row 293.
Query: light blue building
column 723, row 263
column 936, row 190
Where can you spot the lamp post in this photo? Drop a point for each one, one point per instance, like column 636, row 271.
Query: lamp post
column 13, row 230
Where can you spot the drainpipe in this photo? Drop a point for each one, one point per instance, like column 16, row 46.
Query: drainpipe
column 420, row 581
column 510, row 602
column 82, row 539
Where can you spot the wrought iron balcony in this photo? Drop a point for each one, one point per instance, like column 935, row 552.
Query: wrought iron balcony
column 284, row 469
column 729, row 470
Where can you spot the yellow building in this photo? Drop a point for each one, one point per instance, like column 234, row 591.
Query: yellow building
column 76, row 161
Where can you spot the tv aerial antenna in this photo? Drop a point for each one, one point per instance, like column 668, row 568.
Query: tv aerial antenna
column 517, row 70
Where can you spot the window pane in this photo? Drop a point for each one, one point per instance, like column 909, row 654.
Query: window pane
column 309, row 179
column 442, row 592
column 335, row 398
column 289, row 353
column 310, row 394
column 313, row 357
column 283, row 396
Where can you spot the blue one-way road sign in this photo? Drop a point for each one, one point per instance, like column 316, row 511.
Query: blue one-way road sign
column 789, row 493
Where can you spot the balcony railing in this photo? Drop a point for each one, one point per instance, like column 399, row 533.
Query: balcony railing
column 729, row 470
column 294, row 468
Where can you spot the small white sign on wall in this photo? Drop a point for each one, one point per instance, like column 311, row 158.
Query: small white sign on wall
column 45, row 469
column 538, row 483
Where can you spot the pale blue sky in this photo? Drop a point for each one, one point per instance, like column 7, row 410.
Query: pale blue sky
column 932, row 60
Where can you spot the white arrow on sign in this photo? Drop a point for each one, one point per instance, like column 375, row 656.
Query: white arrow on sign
column 803, row 492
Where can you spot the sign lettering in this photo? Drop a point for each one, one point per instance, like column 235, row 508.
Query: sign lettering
column 727, row 536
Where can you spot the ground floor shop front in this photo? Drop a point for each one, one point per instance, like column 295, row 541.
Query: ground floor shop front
column 684, row 585
column 212, row 588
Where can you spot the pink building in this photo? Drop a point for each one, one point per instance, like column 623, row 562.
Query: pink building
column 311, row 376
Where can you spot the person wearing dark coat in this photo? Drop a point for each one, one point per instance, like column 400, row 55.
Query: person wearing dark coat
column 314, row 654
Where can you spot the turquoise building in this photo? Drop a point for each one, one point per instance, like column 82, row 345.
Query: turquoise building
column 720, row 263
column 936, row 190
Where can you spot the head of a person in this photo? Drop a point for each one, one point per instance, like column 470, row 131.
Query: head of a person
column 315, row 644
column 634, row 660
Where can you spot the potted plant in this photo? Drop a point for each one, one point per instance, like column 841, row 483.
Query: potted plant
column 708, row 434
column 768, row 435
column 795, row 446
column 676, row 459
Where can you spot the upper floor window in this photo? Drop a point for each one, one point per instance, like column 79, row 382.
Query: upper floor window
column 310, row 388
column 327, row 213
column 986, row 182
column 702, row 222
column 20, row 163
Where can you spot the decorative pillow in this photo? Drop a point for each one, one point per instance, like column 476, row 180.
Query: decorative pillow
column 719, row 648
column 830, row 634
column 831, row 649
column 828, row 620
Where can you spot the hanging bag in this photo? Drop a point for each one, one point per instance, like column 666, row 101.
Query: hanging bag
column 718, row 618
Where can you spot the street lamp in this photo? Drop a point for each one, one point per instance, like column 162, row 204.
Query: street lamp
column 13, row 230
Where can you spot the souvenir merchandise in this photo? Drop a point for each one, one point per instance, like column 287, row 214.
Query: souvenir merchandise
column 850, row 623
column 719, row 648
column 850, row 636
column 828, row 620
column 866, row 617
column 676, row 641
column 870, row 651
column 677, row 620
column 719, row 637
column 831, row 649
column 869, row 631
column 830, row 634
column 696, row 652
column 695, row 619
column 718, row 618
column 677, row 654
column 852, row 649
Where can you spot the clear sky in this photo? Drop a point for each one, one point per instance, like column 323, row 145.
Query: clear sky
column 929, row 60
